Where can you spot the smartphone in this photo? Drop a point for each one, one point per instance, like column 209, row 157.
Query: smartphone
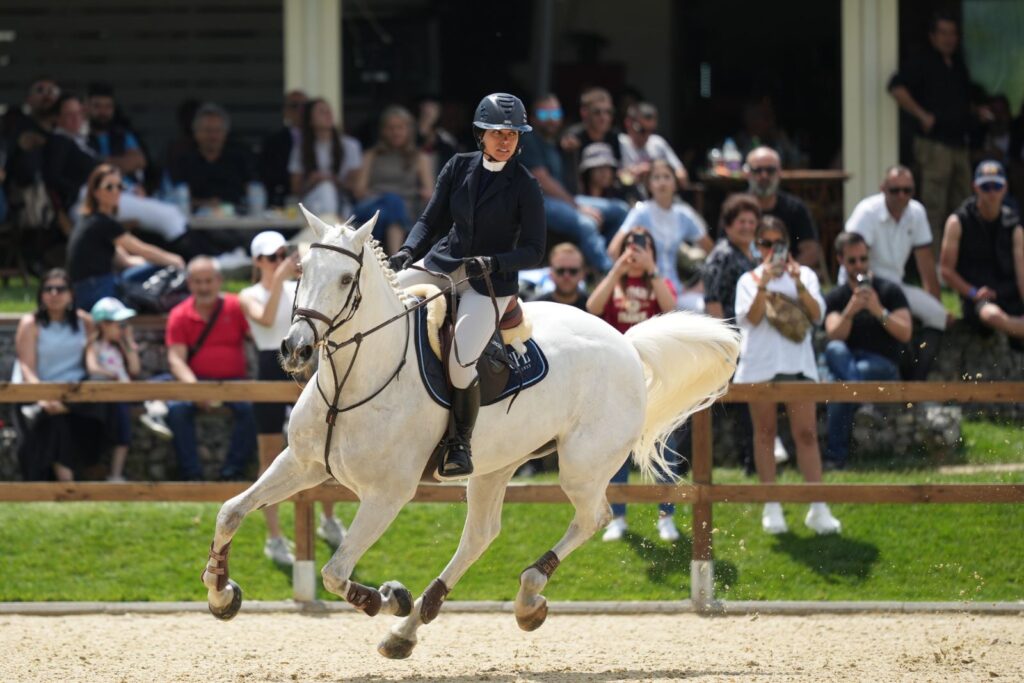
column 780, row 255
column 639, row 239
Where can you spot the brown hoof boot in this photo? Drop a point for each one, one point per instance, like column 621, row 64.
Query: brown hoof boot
column 535, row 619
column 433, row 598
column 396, row 647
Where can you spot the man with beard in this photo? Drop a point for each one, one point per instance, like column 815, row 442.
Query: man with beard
column 110, row 139
column 763, row 170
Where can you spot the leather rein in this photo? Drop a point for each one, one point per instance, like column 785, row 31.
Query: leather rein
column 348, row 310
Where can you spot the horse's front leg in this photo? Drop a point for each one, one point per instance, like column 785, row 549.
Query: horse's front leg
column 484, row 498
column 285, row 477
column 377, row 509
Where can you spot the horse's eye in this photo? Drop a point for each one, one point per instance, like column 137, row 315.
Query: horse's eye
column 346, row 280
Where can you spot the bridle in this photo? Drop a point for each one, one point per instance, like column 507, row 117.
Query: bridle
column 348, row 310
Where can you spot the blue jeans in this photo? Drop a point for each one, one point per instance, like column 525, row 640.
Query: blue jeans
column 181, row 418
column 92, row 289
column 563, row 218
column 854, row 366
column 622, row 476
column 613, row 213
column 392, row 212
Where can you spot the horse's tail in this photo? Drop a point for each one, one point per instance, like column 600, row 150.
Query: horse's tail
column 688, row 359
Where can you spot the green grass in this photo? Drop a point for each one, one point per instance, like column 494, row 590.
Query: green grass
column 987, row 442
column 17, row 298
column 154, row 552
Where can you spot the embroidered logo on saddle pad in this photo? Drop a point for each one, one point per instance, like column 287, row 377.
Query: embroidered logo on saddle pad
column 520, row 364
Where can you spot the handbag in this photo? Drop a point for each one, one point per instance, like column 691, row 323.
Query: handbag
column 162, row 291
column 787, row 316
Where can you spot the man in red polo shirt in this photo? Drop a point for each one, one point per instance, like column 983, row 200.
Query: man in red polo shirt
column 199, row 350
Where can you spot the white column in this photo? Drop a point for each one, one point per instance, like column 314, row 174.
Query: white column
column 312, row 49
column 870, row 35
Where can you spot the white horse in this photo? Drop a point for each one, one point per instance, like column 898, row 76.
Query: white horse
column 606, row 395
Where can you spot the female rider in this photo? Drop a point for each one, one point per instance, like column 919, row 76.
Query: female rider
column 485, row 219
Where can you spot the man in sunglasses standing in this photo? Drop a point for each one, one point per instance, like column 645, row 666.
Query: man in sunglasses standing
column 868, row 323
column 986, row 267
column 895, row 225
column 763, row 169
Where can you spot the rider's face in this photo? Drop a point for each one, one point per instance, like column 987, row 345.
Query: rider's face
column 500, row 145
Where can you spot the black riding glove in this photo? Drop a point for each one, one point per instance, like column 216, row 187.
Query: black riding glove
column 478, row 266
column 400, row 260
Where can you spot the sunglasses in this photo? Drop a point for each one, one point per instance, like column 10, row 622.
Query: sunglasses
column 55, row 289
column 110, row 187
column 275, row 257
column 562, row 272
column 991, row 187
column 900, row 190
column 856, row 259
column 597, row 111
column 549, row 114
column 764, row 170
column 770, row 244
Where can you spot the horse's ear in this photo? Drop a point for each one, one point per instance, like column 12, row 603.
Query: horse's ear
column 318, row 227
column 364, row 232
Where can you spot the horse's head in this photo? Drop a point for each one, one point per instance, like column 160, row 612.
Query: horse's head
column 328, row 293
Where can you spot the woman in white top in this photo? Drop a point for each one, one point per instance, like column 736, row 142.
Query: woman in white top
column 324, row 164
column 268, row 307
column 670, row 224
column 766, row 355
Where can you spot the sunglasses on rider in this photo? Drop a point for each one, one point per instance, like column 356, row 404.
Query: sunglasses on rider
column 991, row 187
column 562, row 272
column 549, row 114
column 900, row 190
column 55, row 289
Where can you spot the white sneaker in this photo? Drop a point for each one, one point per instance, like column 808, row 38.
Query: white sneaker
column 155, row 408
column 157, row 426
column 820, row 520
column 277, row 551
column 331, row 530
column 31, row 411
column 781, row 455
column 667, row 530
column 772, row 520
column 615, row 530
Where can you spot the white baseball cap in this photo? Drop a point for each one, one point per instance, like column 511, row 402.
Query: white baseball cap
column 109, row 309
column 266, row 243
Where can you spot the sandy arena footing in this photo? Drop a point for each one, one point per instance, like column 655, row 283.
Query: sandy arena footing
column 460, row 648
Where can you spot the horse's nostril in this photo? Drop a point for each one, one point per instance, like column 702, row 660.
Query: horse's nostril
column 285, row 351
column 306, row 352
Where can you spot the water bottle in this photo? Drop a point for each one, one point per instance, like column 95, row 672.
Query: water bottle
column 731, row 156
column 183, row 199
column 256, row 198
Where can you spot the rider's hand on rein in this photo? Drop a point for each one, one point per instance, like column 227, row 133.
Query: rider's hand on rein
column 478, row 266
column 400, row 260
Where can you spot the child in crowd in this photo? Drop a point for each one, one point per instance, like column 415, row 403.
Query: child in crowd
column 113, row 354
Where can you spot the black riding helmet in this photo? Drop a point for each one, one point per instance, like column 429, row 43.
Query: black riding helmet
column 499, row 111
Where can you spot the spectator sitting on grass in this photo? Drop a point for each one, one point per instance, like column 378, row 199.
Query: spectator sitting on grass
column 205, row 339
column 868, row 324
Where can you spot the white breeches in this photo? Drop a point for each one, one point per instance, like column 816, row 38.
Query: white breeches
column 925, row 307
column 474, row 323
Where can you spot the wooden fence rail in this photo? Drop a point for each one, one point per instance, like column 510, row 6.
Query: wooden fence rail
column 701, row 494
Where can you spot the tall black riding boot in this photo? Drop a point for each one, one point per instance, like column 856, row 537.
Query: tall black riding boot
column 458, row 458
column 925, row 353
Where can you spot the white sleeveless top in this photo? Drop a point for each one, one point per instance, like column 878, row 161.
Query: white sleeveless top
column 269, row 338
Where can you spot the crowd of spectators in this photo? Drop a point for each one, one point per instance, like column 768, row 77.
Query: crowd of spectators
column 615, row 212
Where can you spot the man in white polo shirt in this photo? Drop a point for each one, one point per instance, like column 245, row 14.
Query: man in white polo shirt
column 895, row 225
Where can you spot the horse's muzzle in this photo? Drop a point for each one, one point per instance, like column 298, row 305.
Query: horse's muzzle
column 297, row 349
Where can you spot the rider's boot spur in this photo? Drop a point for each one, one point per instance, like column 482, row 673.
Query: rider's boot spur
column 465, row 406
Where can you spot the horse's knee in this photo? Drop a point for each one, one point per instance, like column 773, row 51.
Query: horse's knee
column 230, row 517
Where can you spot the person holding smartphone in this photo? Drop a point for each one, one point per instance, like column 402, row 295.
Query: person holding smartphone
column 769, row 353
column 267, row 305
column 631, row 292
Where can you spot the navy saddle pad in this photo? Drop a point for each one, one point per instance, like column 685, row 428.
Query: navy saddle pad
column 524, row 370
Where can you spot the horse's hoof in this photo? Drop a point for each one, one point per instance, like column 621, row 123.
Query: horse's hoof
column 228, row 612
column 393, row 590
column 396, row 647
column 534, row 620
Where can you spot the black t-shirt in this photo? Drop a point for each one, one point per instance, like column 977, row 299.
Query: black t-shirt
column 985, row 253
column 941, row 89
column 224, row 178
column 797, row 218
column 866, row 332
column 91, row 246
column 580, row 303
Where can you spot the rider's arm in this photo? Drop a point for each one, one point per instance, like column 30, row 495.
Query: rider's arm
column 436, row 218
column 529, row 252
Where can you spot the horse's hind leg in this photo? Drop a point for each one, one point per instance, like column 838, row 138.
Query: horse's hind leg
column 285, row 477
column 484, row 498
column 586, row 491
